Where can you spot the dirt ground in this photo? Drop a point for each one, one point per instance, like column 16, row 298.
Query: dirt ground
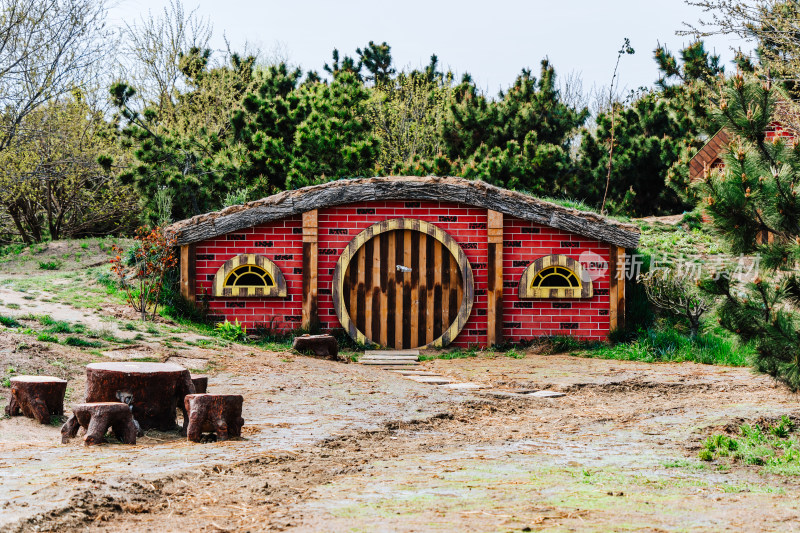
column 335, row 447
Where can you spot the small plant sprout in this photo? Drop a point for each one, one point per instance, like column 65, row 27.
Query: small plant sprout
column 231, row 332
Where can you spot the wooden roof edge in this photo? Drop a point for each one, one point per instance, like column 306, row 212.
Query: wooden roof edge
column 453, row 189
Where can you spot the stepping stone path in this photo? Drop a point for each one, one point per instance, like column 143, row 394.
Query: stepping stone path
column 406, row 363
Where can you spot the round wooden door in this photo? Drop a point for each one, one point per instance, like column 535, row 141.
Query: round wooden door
column 402, row 284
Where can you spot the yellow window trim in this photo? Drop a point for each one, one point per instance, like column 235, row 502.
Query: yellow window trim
column 530, row 283
column 221, row 287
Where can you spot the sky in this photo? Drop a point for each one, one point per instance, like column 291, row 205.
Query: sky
column 491, row 39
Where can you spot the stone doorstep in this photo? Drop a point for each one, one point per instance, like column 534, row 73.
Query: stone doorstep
column 391, row 362
column 405, row 372
column 405, row 353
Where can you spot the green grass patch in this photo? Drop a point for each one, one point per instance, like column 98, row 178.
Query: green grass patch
column 459, row 353
column 13, row 306
column 663, row 343
column 774, row 447
column 9, row 322
column 47, row 337
column 55, row 264
column 82, row 343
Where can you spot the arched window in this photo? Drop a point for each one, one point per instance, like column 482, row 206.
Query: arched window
column 249, row 275
column 555, row 276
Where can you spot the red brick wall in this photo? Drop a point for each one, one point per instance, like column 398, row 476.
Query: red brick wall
column 777, row 130
column 525, row 319
column 281, row 241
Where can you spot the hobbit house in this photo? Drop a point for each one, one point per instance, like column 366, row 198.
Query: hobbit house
column 407, row 262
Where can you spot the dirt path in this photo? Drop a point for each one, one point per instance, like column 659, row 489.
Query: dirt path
column 614, row 453
column 334, row 447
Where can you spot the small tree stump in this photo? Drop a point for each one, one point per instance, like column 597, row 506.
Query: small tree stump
column 319, row 345
column 155, row 390
column 37, row 397
column 200, row 384
column 97, row 418
column 214, row 413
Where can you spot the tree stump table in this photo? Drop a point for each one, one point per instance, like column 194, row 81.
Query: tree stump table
column 37, row 397
column 153, row 390
column 97, row 418
column 214, row 413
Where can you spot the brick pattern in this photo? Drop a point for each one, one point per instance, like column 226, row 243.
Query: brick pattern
column 281, row 241
column 527, row 319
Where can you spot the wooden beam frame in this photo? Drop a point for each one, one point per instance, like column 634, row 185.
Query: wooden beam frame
column 310, row 318
column 494, row 311
column 188, row 272
column 616, row 278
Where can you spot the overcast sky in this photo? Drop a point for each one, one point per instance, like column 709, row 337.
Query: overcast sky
column 492, row 40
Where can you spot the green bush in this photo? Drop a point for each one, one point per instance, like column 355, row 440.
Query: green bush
column 231, row 332
column 47, row 337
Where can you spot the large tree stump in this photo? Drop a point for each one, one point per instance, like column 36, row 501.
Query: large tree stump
column 319, row 345
column 37, row 397
column 97, row 418
column 153, row 390
column 214, row 413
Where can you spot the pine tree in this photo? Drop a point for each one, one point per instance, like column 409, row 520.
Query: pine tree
column 377, row 59
column 753, row 203
column 655, row 134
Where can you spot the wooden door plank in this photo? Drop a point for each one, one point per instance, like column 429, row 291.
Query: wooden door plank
column 430, row 281
column 361, row 322
column 373, row 290
column 416, row 282
column 446, row 261
column 399, row 279
column 411, row 253
column 387, row 288
column 455, row 297
column 437, row 306
column 422, row 291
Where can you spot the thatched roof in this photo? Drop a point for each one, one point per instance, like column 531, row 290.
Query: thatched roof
column 446, row 189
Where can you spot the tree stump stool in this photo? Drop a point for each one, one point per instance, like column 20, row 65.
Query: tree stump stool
column 153, row 390
column 200, row 384
column 319, row 345
column 37, row 397
column 214, row 413
column 97, row 418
